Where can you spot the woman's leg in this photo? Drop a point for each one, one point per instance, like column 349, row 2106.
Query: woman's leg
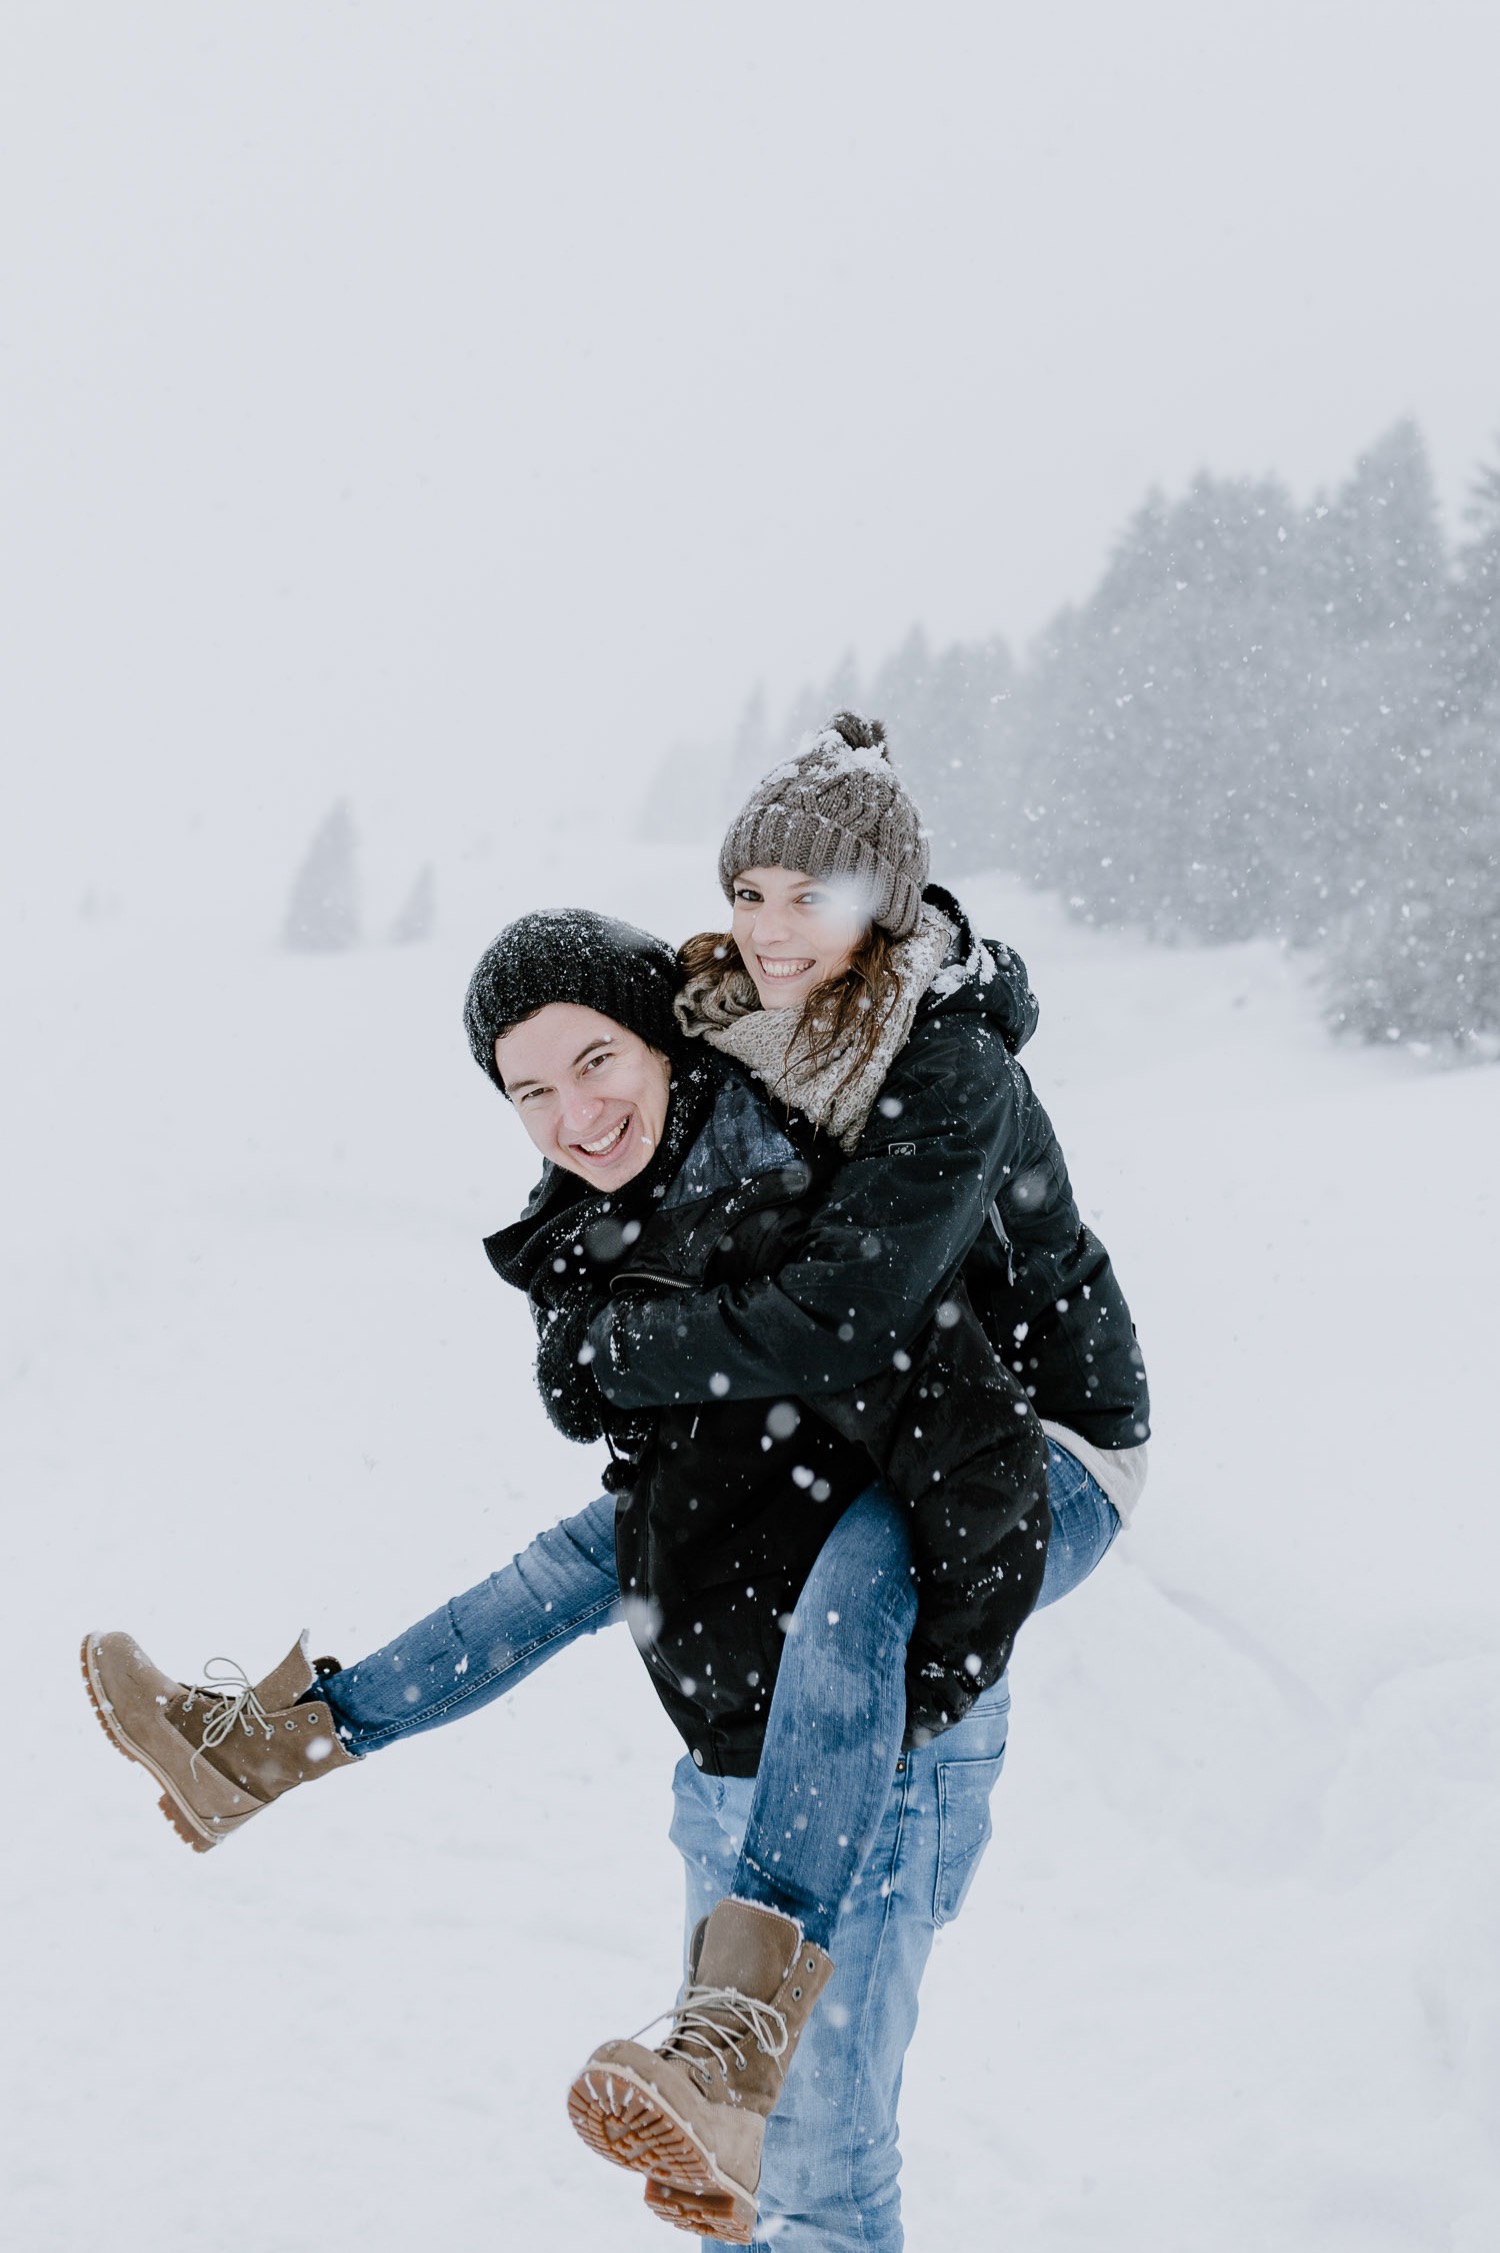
column 841, row 1688
column 836, row 1721
column 839, row 1710
column 1084, row 1523
column 484, row 1642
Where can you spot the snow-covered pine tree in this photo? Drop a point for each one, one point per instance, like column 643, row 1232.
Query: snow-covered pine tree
column 1472, row 637
column 898, row 691
column 814, row 705
column 1374, row 571
column 417, row 918
column 750, row 750
column 1421, row 962
column 1418, row 957
column 1264, row 720
column 322, row 915
column 1156, row 743
column 943, row 716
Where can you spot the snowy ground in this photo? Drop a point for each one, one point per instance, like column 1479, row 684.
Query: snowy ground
column 1231, row 1974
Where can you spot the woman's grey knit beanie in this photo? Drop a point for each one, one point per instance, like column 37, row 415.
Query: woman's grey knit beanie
column 837, row 810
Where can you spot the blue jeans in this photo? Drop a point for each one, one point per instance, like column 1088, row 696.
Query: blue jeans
column 838, row 1713
column 829, row 2180
column 869, row 1848
column 481, row 1644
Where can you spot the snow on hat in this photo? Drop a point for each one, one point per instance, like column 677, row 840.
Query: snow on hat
column 571, row 954
column 838, row 810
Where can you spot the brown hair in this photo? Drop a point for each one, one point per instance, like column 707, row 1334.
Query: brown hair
column 848, row 1011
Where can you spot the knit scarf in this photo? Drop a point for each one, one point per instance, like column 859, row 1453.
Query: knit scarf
column 723, row 1008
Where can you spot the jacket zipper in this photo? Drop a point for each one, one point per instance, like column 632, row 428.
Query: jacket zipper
column 998, row 1226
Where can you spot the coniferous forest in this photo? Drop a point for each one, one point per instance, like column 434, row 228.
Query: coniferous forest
column 1267, row 720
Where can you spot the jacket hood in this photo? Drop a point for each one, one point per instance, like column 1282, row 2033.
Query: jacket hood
column 980, row 978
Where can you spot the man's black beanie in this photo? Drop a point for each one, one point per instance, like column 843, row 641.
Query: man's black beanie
column 570, row 954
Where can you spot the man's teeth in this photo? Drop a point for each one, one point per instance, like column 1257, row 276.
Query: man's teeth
column 785, row 969
column 605, row 1141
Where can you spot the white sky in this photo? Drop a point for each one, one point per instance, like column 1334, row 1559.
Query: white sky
column 455, row 403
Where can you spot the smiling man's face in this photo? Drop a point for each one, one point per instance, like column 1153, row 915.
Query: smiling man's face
column 592, row 1096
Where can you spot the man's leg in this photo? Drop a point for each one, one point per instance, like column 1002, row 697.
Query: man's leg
column 831, row 2178
column 830, row 2174
column 839, row 1817
column 805, row 1825
column 481, row 1644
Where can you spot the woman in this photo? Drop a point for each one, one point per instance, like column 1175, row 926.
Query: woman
column 566, row 1581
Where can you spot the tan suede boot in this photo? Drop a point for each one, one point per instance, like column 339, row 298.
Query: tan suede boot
column 223, row 1750
column 692, row 2113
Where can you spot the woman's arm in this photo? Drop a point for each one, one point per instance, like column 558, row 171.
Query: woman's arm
column 891, row 1228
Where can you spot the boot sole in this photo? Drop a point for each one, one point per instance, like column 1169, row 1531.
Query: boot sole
column 700, row 2212
column 182, row 1819
column 624, row 2120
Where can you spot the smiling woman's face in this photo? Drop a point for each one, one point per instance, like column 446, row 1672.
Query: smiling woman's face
column 592, row 1096
column 794, row 932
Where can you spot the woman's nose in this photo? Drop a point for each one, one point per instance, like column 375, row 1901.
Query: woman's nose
column 768, row 927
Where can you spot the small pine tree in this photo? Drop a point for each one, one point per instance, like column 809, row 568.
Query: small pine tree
column 940, row 715
column 750, row 751
column 1374, row 572
column 322, row 915
column 1155, row 727
column 1417, row 958
column 1473, row 638
column 814, row 705
column 418, row 917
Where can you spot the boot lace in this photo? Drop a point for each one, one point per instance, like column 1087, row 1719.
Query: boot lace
column 712, row 2025
column 229, row 1701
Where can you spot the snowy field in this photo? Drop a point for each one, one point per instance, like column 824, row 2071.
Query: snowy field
column 1230, row 1976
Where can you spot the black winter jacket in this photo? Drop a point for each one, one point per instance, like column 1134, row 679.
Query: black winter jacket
column 957, row 1173
column 724, row 1505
